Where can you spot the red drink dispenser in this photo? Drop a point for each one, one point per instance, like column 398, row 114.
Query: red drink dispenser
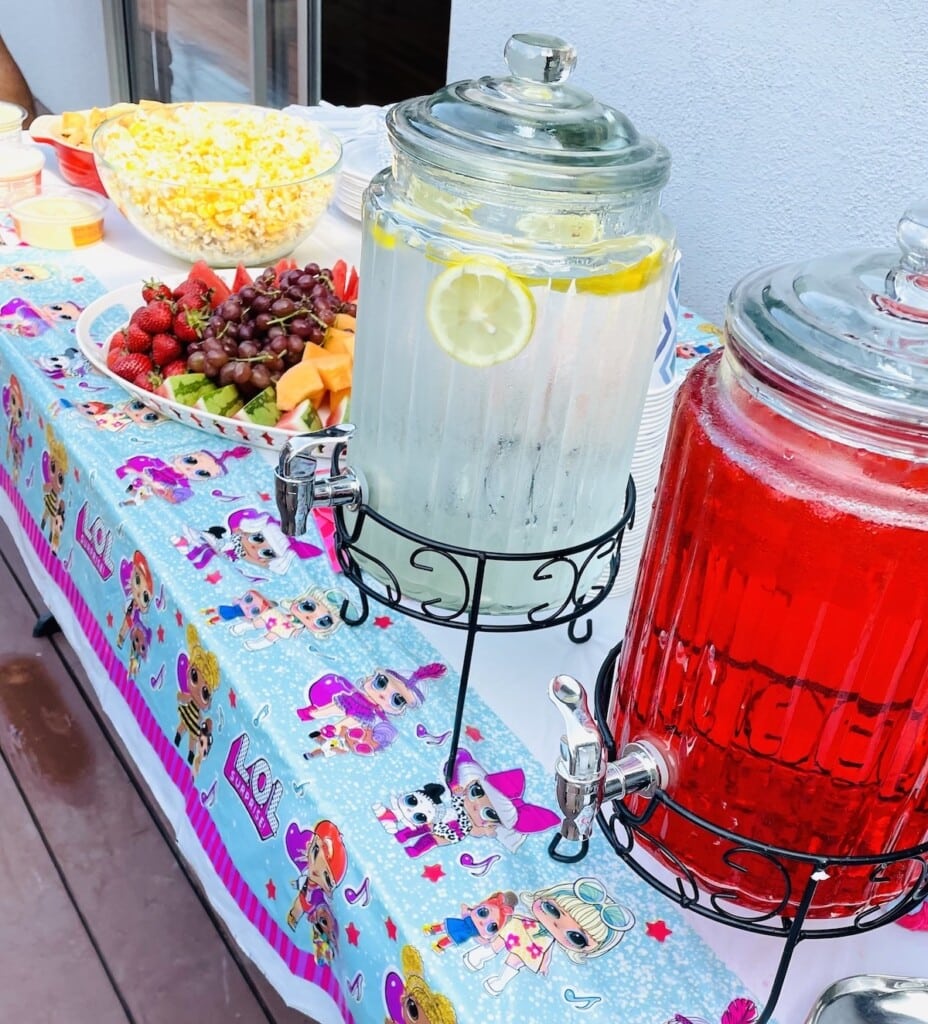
column 777, row 648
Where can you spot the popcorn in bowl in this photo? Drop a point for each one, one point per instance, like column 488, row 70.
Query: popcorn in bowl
column 221, row 182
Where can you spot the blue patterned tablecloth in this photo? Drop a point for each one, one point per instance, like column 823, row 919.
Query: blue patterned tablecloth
column 308, row 753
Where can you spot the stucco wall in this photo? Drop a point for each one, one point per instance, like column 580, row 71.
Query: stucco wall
column 795, row 128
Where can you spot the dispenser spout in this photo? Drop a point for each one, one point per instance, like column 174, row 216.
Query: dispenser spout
column 297, row 487
column 584, row 778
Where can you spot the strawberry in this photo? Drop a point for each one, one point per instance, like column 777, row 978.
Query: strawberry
column 117, row 347
column 177, row 366
column 154, row 289
column 165, row 348
column 156, row 317
column 188, row 325
column 130, row 365
column 147, row 380
column 137, row 339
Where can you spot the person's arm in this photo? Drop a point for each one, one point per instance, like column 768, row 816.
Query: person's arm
column 13, row 86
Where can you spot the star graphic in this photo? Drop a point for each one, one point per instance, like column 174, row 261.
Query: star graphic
column 391, row 928
column 178, row 618
column 433, row 872
column 382, row 621
column 109, row 618
column 352, row 933
column 232, row 698
column 41, row 424
column 29, row 441
column 214, row 577
column 658, row 930
column 77, row 280
column 473, row 733
column 77, row 474
column 264, row 496
column 271, row 889
column 161, row 634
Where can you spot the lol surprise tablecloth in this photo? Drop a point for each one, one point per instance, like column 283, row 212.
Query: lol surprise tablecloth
column 302, row 758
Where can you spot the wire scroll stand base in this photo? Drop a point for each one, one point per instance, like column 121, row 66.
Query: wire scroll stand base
column 623, row 827
column 575, row 565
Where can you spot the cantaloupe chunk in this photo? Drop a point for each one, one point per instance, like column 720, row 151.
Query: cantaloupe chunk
column 300, row 382
column 344, row 322
column 334, row 367
column 337, row 340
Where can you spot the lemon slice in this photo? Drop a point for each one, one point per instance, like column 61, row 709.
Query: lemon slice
column 479, row 313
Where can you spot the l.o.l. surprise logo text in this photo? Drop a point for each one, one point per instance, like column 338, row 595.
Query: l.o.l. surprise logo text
column 96, row 541
column 258, row 790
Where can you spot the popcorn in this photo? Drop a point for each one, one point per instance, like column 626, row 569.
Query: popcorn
column 218, row 182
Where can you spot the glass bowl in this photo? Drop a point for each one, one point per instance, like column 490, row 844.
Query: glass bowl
column 222, row 182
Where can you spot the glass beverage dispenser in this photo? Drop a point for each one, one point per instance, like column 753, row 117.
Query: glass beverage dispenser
column 514, row 271
column 777, row 650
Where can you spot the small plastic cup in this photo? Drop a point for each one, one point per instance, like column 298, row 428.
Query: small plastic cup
column 65, row 218
column 11, row 122
column 20, row 173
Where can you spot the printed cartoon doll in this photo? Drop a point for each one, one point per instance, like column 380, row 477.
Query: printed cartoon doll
column 20, row 317
column 15, row 408
column 25, row 272
column 738, row 1011
column 579, row 917
column 139, row 643
column 322, row 860
column 69, row 363
column 409, row 999
column 481, row 804
column 198, row 680
column 151, row 477
column 139, row 413
column 481, row 923
column 315, row 611
column 104, row 415
column 324, row 929
column 139, row 587
column 253, row 542
column 54, row 474
column 362, row 712
column 251, row 605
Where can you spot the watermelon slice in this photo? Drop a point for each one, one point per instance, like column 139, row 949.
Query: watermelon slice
column 283, row 265
column 242, row 278
column 222, row 402
column 186, row 388
column 300, row 418
column 205, row 274
column 261, row 410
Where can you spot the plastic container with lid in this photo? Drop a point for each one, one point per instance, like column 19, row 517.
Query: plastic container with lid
column 12, row 117
column 515, row 267
column 66, row 218
column 20, row 173
column 777, row 647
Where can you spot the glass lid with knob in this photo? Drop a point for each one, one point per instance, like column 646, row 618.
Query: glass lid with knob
column 852, row 328
column 532, row 128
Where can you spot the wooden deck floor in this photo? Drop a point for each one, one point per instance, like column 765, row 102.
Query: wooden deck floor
column 99, row 920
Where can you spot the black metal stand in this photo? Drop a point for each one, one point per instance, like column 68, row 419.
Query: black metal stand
column 577, row 564
column 623, row 828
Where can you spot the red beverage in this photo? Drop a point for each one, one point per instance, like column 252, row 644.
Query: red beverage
column 778, row 644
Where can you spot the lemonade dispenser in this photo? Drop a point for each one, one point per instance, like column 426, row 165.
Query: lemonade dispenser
column 514, row 271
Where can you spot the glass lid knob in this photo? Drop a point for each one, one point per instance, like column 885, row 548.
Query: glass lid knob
column 907, row 282
column 534, row 57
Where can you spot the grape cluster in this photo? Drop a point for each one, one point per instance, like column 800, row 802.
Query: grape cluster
column 262, row 329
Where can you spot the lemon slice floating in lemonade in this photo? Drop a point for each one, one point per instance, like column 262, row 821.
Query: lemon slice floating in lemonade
column 480, row 313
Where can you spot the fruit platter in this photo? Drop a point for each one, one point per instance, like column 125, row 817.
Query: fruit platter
column 258, row 356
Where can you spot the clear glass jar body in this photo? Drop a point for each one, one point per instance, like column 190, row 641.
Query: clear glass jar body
column 778, row 639
column 528, row 455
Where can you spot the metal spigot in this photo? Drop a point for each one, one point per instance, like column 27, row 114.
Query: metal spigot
column 584, row 777
column 299, row 490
